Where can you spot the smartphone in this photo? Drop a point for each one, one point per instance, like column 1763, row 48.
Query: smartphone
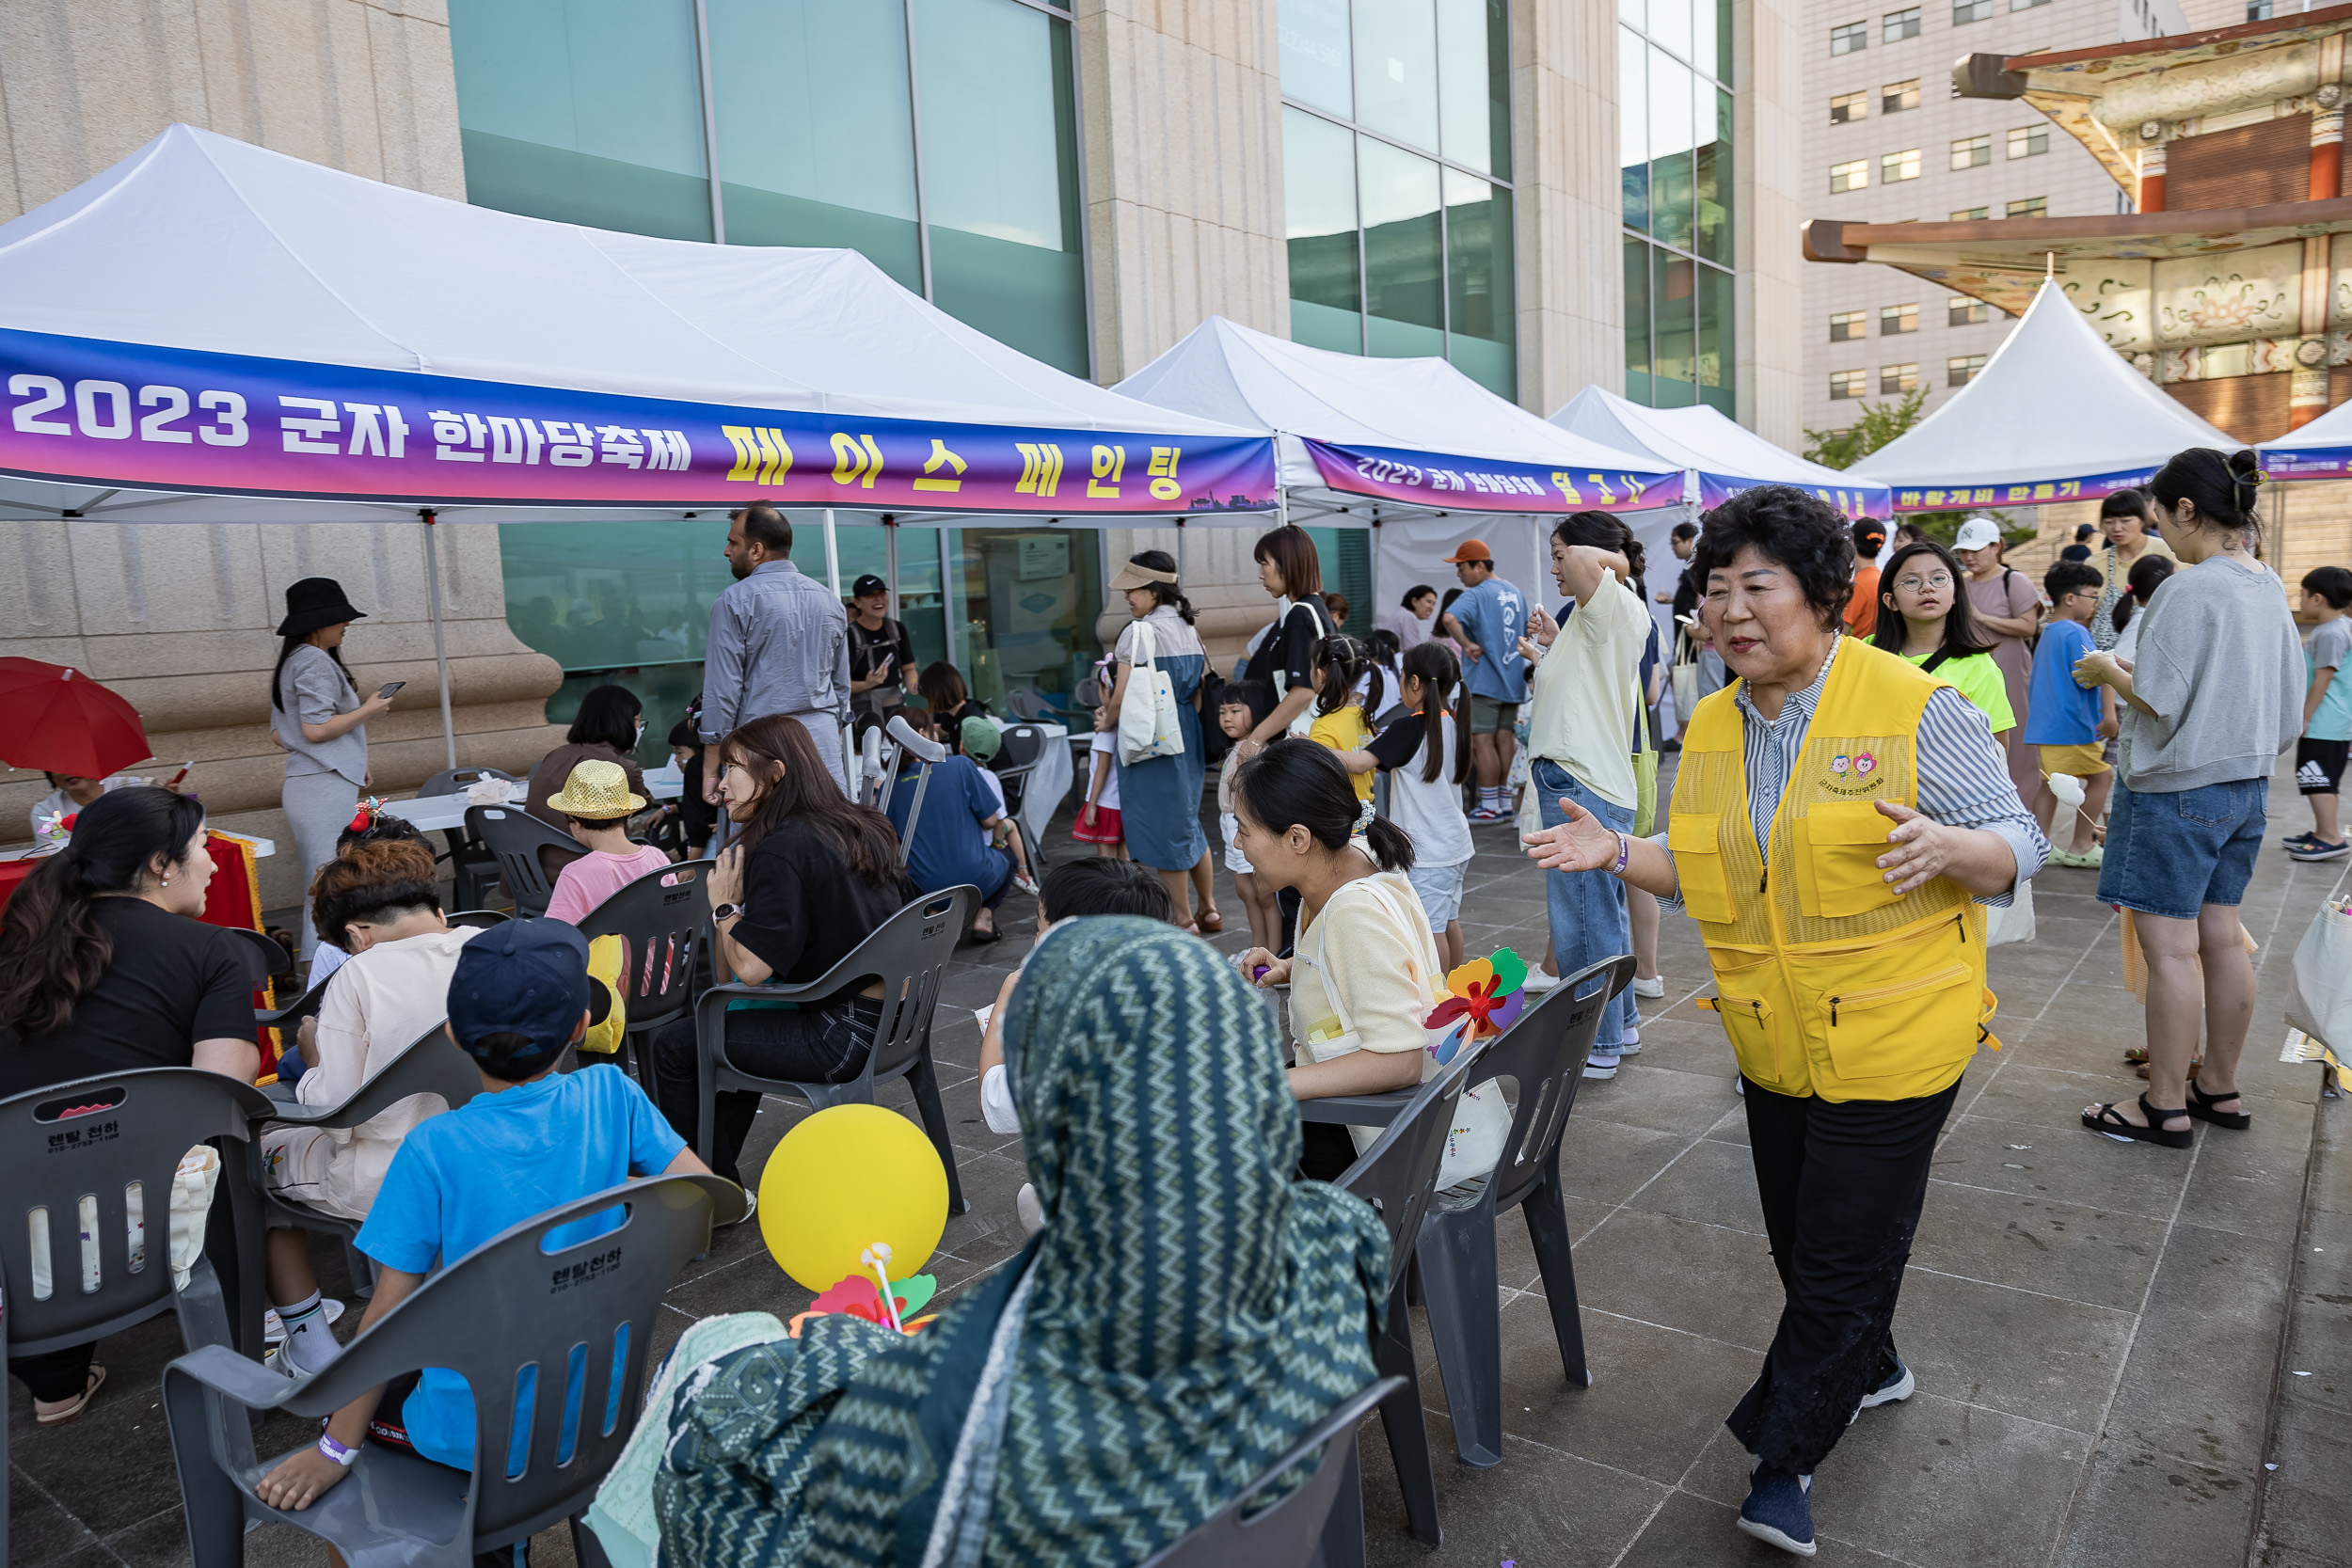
column 388, row 688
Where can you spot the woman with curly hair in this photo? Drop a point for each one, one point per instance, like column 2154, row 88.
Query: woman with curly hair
column 1838, row 817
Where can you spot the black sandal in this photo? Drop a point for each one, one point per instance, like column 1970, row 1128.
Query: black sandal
column 2200, row 1105
column 2115, row 1127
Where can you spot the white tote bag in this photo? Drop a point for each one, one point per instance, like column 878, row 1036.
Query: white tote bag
column 1148, row 726
column 2320, row 1004
column 2013, row 924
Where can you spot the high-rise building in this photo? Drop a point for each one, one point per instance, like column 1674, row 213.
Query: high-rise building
column 1084, row 180
column 1888, row 141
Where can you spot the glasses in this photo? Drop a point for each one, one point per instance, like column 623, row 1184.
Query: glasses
column 1918, row 584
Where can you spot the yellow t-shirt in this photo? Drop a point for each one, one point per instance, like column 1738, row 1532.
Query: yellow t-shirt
column 1345, row 731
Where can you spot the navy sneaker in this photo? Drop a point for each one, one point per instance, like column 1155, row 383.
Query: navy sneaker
column 1900, row 1386
column 1779, row 1510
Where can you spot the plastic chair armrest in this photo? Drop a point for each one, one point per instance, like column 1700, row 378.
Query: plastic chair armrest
column 227, row 1373
column 1357, row 1110
column 413, row 1071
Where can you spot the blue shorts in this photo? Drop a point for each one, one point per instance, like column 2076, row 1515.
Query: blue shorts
column 1441, row 890
column 2169, row 854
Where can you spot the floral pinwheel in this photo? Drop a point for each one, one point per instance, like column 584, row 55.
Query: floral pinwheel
column 1483, row 997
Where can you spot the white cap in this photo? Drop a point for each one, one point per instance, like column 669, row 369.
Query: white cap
column 1976, row 533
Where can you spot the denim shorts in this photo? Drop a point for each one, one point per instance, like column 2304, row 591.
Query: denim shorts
column 1441, row 890
column 2170, row 853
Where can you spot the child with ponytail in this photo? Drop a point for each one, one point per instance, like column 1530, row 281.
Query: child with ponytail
column 1348, row 685
column 1364, row 972
column 1426, row 756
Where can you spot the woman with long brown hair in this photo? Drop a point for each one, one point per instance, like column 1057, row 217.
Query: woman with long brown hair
column 812, row 873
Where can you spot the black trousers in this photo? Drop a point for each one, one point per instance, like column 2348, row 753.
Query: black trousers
column 804, row 1045
column 1841, row 1186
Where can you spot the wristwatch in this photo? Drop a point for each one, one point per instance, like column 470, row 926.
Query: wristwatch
column 726, row 912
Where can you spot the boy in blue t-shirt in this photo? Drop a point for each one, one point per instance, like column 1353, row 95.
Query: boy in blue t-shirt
column 1488, row 619
column 2319, row 757
column 2068, row 723
column 531, row 1141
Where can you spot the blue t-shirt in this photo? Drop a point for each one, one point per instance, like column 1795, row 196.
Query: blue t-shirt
column 950, row 847
column 465, row 1176
column 2059, row 712
column 2330, row 646
column 1495, row 615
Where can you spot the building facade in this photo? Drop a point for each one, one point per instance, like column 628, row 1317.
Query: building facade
column 1546, row 194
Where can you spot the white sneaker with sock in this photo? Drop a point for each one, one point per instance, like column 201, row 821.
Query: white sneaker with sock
column 310, row 1342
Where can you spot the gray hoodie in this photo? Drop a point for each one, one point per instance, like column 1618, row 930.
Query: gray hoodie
column 2220, row 660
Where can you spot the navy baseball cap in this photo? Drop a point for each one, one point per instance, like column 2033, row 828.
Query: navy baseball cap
column 869, row 583
column 527, row 977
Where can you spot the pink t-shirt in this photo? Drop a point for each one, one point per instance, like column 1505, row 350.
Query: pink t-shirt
column 595, row 877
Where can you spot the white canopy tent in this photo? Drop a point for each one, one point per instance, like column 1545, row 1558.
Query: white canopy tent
column 2056, row 415
column 2320, row 450
column 1725, row 456
column 211, row 332
column 1411, row 447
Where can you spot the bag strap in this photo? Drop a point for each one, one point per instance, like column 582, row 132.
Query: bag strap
column 1331, row 993
column 1146, row 645
column 1935, row 660
column 1641, row 716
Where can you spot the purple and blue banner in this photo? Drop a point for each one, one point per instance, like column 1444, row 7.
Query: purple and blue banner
column 89, row 410
column 2029, row 493
column 1487, row 485
column 1853, row 502
column 2308, row 462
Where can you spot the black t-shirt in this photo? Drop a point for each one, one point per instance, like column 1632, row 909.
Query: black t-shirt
column 804, row 909
column 173, row 981
column 866, row 649
column 1686, row 592
column 1399, row 744
column 1291, row 647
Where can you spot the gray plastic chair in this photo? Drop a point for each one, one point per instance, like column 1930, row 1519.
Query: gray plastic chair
column 432, row 1064
column 473, row 869
column 663, row 920
column 509, row 1303
column 73, row 1152
column 1398, row 1176
column 264, row 959
column 515, row 838
column 908, row 954
column 480, row 920
column 1283, row 1534
column 1544, row 1052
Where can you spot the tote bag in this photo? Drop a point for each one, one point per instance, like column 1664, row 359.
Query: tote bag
column 1300, row 725
column 1148, row 726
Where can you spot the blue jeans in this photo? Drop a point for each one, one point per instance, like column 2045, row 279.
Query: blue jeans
column 1587, row 908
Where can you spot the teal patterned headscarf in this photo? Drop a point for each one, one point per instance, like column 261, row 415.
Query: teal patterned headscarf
column 1189, row 1311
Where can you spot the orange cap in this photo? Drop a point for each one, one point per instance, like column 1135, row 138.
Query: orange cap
column 1472, row 549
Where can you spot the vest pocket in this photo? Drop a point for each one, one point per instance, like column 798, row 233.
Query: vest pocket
column 1744, row 1000
column 1877, row 1029
column 1837, row 844
column 1704, row 885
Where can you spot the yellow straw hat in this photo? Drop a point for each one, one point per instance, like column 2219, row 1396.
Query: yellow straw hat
column 596, row 790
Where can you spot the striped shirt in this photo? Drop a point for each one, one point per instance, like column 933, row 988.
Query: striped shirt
column 1963, row 774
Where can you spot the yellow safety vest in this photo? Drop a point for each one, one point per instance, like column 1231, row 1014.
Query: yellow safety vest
column 1826, row 982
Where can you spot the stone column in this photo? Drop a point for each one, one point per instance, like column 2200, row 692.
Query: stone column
column 2327, row 177
column 2306, row 387
column 1564, row 163
column 1770, row 37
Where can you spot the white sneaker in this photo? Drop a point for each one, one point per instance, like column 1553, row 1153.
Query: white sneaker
column 1600, row 1067
column 1653, row 987
column 1538, row 980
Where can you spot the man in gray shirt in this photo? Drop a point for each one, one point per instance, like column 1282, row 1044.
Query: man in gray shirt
column 779, row 643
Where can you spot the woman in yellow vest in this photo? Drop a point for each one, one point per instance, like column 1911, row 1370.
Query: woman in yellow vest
column 1839, row 816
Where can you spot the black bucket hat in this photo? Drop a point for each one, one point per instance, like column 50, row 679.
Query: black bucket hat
column 315, row 602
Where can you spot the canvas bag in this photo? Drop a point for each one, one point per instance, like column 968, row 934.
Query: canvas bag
column 2015, row 923
column 1148, row 726
column 1481, row 1122
column 2320, row 1003
column 1645, row 775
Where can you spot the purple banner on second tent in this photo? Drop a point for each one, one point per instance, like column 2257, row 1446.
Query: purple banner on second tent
column 1487, row 485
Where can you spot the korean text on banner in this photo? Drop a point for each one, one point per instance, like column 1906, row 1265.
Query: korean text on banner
column 1875, row 500
column 2090, row 488
column 1487, row 485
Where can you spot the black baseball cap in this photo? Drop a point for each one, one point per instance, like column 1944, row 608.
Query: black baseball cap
column 869, row 583
column 527, row 977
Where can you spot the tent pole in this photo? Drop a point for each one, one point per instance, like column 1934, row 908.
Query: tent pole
column 949, row 591
column 833, row 555
column 440, row 645
column 890, row 559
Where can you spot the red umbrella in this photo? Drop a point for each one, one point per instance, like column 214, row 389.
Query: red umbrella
column 55, row 718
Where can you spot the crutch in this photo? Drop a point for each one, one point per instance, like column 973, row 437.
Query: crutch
column 926, row 752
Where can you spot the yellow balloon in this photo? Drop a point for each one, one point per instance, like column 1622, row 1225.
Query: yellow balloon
column 844, row 1178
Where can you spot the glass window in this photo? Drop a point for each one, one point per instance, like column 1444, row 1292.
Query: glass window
column 2031, row 207
column 1852, row 176
column 1669, row 27
column 1849, row 106
column 816, row 135
column 583, row 111
column 2029, row 141
column 1637, row 316
column 1898, row 378
column 1965, row 11
column 1895, row 97
column 1319, row 220
column 1895, row 167
column 1474, row 87
column 1972, row 151
column 1027, row 600
column 1673, row 303
column 1712, row 47
column 1403, row 277
column 1000, row 174
column 1479, row 300
column 1847, row 383
column 1897, row 25
column 1717, row 357
column 1849, row 38
column 1895, row 320
column 1960, row 311
column 1971, row 214
column 1961, row 368
column 1847, row 326
column 1713, row 173
column 1633, row 125
column 1669, row 107
column 2258, row 10
column 2025, row 5
column 1396, row 78
column 1315, row 53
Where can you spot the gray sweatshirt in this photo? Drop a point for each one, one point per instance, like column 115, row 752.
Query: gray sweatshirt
column 2220, row 660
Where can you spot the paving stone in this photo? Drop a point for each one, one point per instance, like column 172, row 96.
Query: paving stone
column 2062, row 1164
column 2011, row 1351
column 1699, row 1278
column 2101, row 1256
